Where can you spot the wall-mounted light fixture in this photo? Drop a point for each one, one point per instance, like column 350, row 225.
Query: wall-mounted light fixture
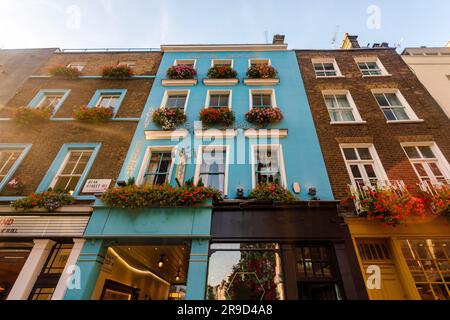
column 312, row 191
column 239, row 192
column 296, row 187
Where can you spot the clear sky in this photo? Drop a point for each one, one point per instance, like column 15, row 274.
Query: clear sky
column 307, row 24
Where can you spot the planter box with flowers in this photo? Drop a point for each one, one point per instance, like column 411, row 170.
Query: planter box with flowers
column 168, row 118
column 118, row 72
column 217, row 116
column 264, row 116
column 437, row 197
column 135, row 197
column 388, row 205
column 94, row 114
column 271, row 192
column 49, row 200
column 32, row 116
column 261, row 75
column 65, row 73
column 221, row 76
column 180, row 75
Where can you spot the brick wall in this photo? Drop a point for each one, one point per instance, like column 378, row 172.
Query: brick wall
column 385, row 137
column 48, row 138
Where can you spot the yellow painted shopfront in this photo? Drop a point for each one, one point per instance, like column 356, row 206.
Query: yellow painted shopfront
column 413, row 258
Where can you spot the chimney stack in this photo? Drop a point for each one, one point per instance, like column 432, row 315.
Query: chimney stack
column 349, row 42
column 380, row 45
column 278, row 39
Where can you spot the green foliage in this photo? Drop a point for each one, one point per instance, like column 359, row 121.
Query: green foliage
column 50, row 200
column 94, row 114
column 119, row 72
column 65, row 72
column 222, row 72
column 271, row 192
column 29, row 116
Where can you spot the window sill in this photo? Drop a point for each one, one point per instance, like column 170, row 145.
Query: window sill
column 178, row 82
column 261, row 82
column 166, row 134
column 330, row 77
column 378, row 75
column 220, row 82
column 405, row 121
column 348, row 122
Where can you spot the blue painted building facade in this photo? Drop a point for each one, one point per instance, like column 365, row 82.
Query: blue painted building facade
column 214, row 233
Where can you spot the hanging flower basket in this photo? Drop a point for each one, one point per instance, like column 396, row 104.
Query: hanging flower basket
column 31, row 116
column 271, row 192
column 94, row 114
column 134, row 197
column 65, row 72
column 181, row 71
column 119, row 72
column 264, row 116
column 222, row 72
column 49, row 200
column 261, row 71
column 217, row 116
column 169, row 119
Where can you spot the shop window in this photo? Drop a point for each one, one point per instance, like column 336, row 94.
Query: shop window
column 245, row 271
column 48, row 279
column 316, row 277
column 428, row 261
column 12, row 258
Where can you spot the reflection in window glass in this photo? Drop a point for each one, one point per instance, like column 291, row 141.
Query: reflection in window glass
column 245, row 271
column 429, row 263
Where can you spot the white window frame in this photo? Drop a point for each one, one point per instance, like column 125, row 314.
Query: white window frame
column 263, row 91
column 350, row 100
column 264, row 60
column 44, row 96
column 128, row 63
column 77, row 65
column 375, row 59
column 175, row 92
column 199, row 160
column 213, row 92
column 409, row 111
column 214, row 61
column 254, row 147
column 185, row 61
column 327, row 60
column 64, row 163
column 147, row 157
column 12, row 168
column 106, row 94
column 442, row 161
column 377, row 165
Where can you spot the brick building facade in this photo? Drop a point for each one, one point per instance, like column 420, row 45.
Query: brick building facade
column 36, row 155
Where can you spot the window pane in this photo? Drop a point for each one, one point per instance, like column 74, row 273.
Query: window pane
column 328, row 66
column 318, row 67
column 412, row 152
column 347, row 115
column 435, row 169
column 7, row 160
column 330, row 102
column 267, row 100
column 400, row 114
column 350, row 154
column 364, row 154
column 158, row 168
column 389, row 114
column 343, row 101
column 245, row 275
column 355, row 171
column 212, row 170
column 370, row 171
column 426, row 152
column 393, row 99
column 382, row 101
column 176, row 101
column 420, row 169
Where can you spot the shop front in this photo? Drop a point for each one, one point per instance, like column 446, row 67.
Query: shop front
column 144, row 254
column 413, row 259
column 38, row 250
column 301, row 251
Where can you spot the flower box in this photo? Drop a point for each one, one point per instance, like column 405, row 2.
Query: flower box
column 31, row 116
column 49, row 200
column 217, row 116
column 261, row 82
column 178, row 82
column 135, row 197
column 264, row 116
column 220, row 82
column 168, row 119
column 119, row 72
column 271, row 192
column 93, row 114
column 65, row 73
column 181, row 71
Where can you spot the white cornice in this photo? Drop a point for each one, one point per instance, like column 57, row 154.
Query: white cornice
column 215, row 133
column 266, row 133
column 224, row 47
column 166, row 135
